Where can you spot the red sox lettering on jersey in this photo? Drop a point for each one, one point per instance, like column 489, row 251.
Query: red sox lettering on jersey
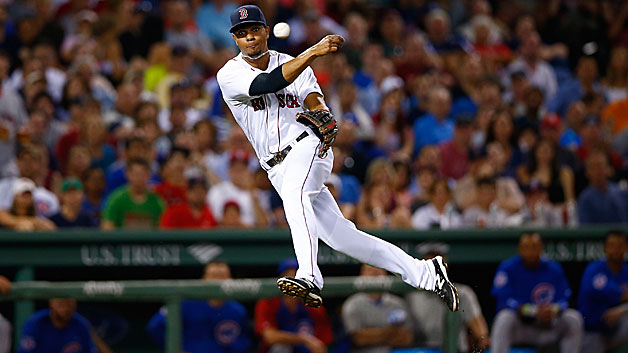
column 269, row 121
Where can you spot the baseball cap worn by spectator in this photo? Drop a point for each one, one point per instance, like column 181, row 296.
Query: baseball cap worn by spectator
column 246, row 14
column 551, row 121
column 23, row 185
column 390, row 84
column 71, row 184
column 287, row 264
column 239, row 156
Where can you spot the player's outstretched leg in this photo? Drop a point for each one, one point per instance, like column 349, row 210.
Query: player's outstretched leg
column 342, row 235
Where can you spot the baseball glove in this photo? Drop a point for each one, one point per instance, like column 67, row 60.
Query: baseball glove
column 324, row 126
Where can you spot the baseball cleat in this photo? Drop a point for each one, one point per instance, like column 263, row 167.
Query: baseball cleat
column 443, row 287
column 301, row 288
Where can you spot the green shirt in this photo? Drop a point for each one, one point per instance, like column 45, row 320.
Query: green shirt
column 126, row 213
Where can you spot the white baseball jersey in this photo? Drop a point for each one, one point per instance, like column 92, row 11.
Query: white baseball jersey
column 269, row 120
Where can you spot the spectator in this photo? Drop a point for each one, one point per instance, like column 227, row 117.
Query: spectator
column 212, row 19
column 532, row 302
column 78, row 161
column 552, row 128
column 502, row 131
column 615, row 83
column 12, row 117
column 487, row 213
column 601, row 201
column 180, row 31
column 120, row 119
column 603, row 298
column 486, row 40
column 93, row 181
column 179, row 99
column 179, row 63
column 173, row 187
column 71, row 215
column 57, row 329
column 440, row 213
column 593, row 138
column 208, row 325
column 345, row 106
column 537, row 70
column 29, row 163
column 424, row 178
column 102, row 155
column 134, row 147
column 585, row 82
column 133, row 206
column 240, row 189
column 377, row 208
column 569, row 138
column 376, row 322
column 144, row 29
column 538, row 211
column 429, row 314
column 543, row 167
column 392, row 136
column 438, row 29
column 5, row 325
column 455, row 153
column 193, row 212
column 286, row 324
column 436, row 126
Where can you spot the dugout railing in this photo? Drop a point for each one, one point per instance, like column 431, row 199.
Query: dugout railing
column 171, row 292
column 26, row 254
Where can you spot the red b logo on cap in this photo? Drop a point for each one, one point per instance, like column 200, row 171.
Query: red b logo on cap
column 243, row 14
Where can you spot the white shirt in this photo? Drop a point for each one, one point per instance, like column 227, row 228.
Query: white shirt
column 268, row 121
column 46, row 203
column 427, row 216
column 542, row 76
column 224, row 192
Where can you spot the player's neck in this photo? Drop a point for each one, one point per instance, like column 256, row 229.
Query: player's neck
column 614, row 266
column 258, row 63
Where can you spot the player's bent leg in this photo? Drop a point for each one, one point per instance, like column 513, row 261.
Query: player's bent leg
column 343, row 236
column 571, row 328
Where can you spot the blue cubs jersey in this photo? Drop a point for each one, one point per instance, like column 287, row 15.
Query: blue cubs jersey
column 207, row 328
column 515, row 284
column 600, row 290
column 40, row 336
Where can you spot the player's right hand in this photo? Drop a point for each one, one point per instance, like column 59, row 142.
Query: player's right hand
column 329, row 44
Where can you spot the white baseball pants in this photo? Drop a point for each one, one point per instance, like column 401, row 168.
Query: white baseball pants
column 312, row 214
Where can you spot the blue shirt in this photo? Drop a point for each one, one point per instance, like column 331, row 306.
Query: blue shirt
column 40, row 336
column 568, row 93
column 429, row 131
column 350, row 190
column 599, row 206
column 298, row 321
column 515, row 284
column 83, row 220
column 216, row 23
column 207, row 328
column 600, row 290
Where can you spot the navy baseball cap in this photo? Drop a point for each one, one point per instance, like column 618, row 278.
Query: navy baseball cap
column 246, row 14
column 287, row 264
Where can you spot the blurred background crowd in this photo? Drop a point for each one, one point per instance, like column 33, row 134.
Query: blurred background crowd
column 459, row 113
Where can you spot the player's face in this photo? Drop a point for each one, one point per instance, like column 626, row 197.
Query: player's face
column 62, row 309
column 615, row 248
column 530, row 249
column 252, row 39
column 217, row 271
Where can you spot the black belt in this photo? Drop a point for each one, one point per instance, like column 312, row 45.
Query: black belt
column 281, row 155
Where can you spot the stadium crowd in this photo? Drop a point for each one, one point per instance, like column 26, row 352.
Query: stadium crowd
column 462, row 113
column 453, row 114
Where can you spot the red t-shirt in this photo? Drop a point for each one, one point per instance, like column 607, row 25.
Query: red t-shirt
column 455, row 161
column 180, row 217
column 173, row 195
column 266, row 317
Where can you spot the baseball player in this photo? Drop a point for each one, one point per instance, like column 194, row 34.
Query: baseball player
column 279, row 105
